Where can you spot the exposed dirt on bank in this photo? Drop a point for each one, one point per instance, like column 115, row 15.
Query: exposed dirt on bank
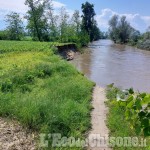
column 98, row 115
column 67, row 51
column 14, row 137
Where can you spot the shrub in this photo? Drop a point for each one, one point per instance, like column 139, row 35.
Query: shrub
column 3, row 35
column 23, row 79
column 136, row 108
column 43, row 70
column 144, row 44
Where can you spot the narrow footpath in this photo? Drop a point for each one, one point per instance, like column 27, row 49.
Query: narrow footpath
column 99, row 133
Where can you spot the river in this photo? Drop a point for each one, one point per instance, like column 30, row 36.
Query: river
column 105, row 62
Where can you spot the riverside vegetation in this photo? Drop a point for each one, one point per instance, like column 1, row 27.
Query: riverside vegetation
column 37, row 87
column 48, row 95
column 44, row 25
column 121, row 31
column 129, row 115
column 43, row 91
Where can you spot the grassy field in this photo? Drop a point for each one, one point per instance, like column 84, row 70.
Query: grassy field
column 22, row 46
column 117, row 123
column 42, row 91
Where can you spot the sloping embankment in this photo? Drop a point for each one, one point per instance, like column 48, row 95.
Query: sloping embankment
column 67, row 51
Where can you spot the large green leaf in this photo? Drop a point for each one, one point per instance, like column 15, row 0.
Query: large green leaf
column 130, row 105
column 146, row 100
column 138, row 104
column 130, row 98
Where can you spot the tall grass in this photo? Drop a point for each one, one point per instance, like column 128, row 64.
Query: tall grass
column 117, row 123
column 44, row 92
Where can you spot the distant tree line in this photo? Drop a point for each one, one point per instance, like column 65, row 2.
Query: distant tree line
column 43, row 24
column 120, row 31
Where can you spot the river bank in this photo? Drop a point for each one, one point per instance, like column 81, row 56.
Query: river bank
column 104, row 60
column 42, row 91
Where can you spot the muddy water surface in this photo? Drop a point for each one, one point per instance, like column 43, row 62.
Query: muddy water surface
column 105, row 63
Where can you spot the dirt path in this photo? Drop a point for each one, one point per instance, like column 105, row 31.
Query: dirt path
column 99, row 129
column 14, row 137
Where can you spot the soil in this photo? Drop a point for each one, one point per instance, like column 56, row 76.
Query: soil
column 14, row 137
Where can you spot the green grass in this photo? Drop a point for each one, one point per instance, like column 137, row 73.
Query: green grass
column 43, row 92
column 117, row 123
column 19, row 46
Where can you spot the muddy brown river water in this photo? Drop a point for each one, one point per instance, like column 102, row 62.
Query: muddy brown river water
column 105, row 62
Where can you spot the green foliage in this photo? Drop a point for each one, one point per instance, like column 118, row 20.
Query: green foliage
column 144, row 44
column 43, row 70
column 76, row 21
column 44, row 92
column 111, row 92
column 72, row 32
column 64, row 25
column 44, row 25
column 144, row 40
column 84, row 38
column 15, row 29
column 6, row 86
column 53, row 25
column 88, row 22
column 146, row 35
column 37, row 21
column 3, row 35
column 25, row 88
column 27, row 38
column 134, row 37
column 113, row 30
column 120, row 30
column 10, row 46
column 136, row 108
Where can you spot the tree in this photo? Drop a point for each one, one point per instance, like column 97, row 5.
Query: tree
column 104, row 35
column 52, row 22
column 119, row 30
column 124, row 30
column 96, row 34
column 88, row 21
column 37, row 21
column 53, row 25
column 4, row 35
column 113, row 29
column 134, row 36
column 84, row 38
column 147, row 34
column 63, row 27
column 77, row 21
column 15, row 27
